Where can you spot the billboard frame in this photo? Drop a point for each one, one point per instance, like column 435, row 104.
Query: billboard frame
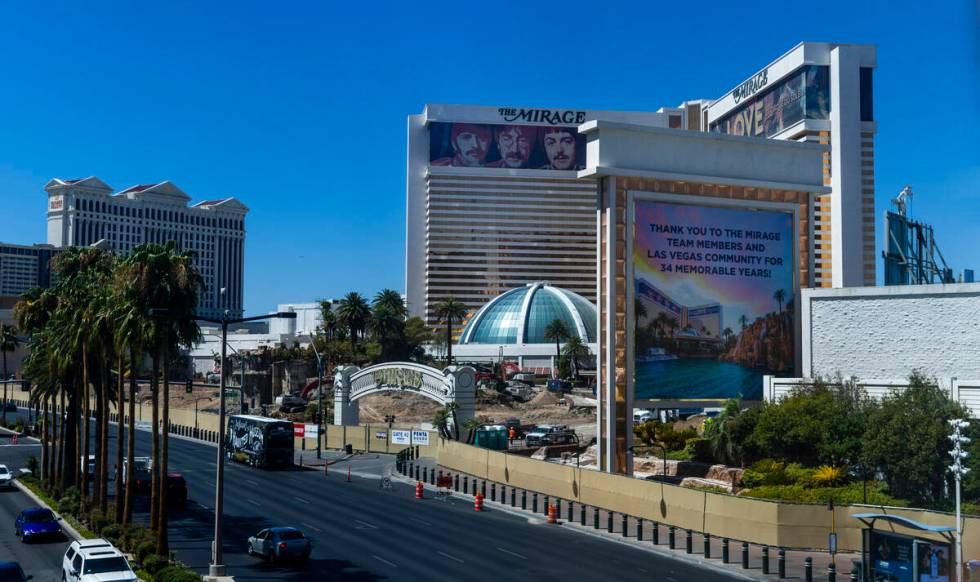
column 632, row 197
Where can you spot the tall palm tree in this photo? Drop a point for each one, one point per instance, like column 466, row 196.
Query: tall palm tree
column 132, row 326
column 328, row 317
column 744, row 321
column 353, row 313
column 392, row 300
column 639, row 310
column 556, row 331
column 779, row 296
column 450, row 311
column 8, row 343
column 574, row 349
column 387, row 328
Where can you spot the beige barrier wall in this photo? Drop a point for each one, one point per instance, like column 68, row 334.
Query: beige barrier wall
column 780, row 524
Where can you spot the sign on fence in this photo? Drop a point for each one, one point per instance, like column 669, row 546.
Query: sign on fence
column 299, row 429
column 312, row 431
column 401, row 437
column 381, row 435
column 420, row 437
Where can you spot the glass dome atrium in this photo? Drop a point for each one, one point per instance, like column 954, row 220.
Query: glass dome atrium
column 520, row 316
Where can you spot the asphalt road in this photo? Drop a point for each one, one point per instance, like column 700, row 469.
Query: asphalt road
column 42, row 559
column 361, row 532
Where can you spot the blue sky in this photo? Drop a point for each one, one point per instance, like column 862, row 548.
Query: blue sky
column 299, row 109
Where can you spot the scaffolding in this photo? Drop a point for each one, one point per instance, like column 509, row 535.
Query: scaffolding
column 911, row 254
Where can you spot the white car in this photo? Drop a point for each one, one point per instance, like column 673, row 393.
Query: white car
column 6, row 477
column 95, row 561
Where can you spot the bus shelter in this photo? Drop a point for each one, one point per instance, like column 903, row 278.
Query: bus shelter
column 892, row 557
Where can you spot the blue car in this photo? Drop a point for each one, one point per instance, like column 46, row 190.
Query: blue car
column 32, row 524
column 12, row 572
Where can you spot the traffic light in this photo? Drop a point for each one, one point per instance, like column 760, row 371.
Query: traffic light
column 189, row 388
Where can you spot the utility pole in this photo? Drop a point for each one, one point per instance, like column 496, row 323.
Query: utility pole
column 959, row 470
column 319, row 398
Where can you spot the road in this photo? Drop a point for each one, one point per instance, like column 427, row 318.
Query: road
column 361, row 532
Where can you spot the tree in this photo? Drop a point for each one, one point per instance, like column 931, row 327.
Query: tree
column 8, row 343
column 450, row 311
column 353, row 313
column 729, row 434
column 574, row 349
column 417, row 335
column 328, row 318
column 388, row 329
column 908, row 440
column 744, row 321
column 779, row 296
column 393, row 301
column 556, row 331
column 639, row 310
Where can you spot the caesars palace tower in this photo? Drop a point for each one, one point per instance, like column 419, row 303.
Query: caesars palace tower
column 495, row 199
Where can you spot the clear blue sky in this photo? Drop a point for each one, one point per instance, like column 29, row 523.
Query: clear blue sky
column 299, row 109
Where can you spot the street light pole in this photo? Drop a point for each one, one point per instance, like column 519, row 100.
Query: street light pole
column 319, row 398
column 959, row 470
column 217, row 568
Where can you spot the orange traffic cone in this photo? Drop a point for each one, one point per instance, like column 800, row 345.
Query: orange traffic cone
column 552, row 513
column 478, row 502
column 419, row 488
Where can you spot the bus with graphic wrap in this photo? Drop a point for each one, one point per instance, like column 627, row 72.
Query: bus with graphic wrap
column 266, row 443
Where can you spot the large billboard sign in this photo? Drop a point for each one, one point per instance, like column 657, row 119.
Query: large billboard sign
column 713, row 300
column 804, row 94
column 507, row 146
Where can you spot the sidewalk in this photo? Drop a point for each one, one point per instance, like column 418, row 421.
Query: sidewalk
column 501, row 497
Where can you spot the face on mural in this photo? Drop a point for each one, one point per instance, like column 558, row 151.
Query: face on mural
column 559, row 145
column 471, row 143
column 514, row 144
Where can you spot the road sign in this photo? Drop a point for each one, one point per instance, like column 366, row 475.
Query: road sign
column 401, row 437
column 420, row 437
column 832, row 543
column 299, row 429
column 381, row 435
column 312, row 431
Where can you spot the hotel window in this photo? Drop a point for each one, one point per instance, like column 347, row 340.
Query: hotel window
column 867, row 94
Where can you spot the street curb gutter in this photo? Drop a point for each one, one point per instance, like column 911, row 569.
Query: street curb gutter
column 65, row 526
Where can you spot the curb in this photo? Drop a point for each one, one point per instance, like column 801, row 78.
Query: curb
column 65, row 526
column 574, row 527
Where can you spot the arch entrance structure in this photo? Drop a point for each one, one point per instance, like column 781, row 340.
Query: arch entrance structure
column 455, row 384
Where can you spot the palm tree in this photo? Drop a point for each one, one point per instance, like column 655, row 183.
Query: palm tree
column 392, row 300
column 779, row 296
column 328, row 318
column 8, row 343
column 130, row 335
column 727, row 333
column 556, row 331
column 353, row 313
column 450, row 310
column 574, row 349
column 639, row 310
column 744, row 321
column 386, row 327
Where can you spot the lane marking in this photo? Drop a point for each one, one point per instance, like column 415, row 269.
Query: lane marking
column 312, row 527
column 422, row 521
column 445, row 555
column 380, row 559
column 515, row 554
column 301, row 500
column 251, row 482
column 254, row 502
column 365, row 525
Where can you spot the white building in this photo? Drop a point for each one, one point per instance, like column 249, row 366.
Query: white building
column 85, row 211
column 23, row 267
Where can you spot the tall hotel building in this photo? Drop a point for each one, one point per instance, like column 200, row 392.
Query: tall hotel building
column 494, row 200
column 494, row 203
column 87, row 211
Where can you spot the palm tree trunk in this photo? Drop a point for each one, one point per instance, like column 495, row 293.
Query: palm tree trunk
column 162, row 541
column 59, row 441
column 99, row 469
column 45, row 451
column 5, row 376
column 86, row 414
column 120, row 411
column 130, row 440
column 449, row 341
column 104, row 451
column 155, row 447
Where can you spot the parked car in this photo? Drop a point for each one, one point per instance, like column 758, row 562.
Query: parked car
column 6, row 478
column 95, row 561
column 550, row 434
column 556, row 385
column 525, row 377
column 279, row 544
column 520, row 391
column 12, row 572
column 37, row 523
column 141, row 473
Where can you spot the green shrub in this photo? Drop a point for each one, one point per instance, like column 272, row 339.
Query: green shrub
column 144, row 549
column 154, row 563
column 70, row 502
column 699, row 449
column 679, row 455
column 799, row 475
column 176, row 573
column 33, row 465
column 97, row 521
column 112, row 532
column 848, row 495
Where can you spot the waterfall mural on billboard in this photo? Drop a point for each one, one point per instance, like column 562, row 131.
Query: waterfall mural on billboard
column 713, row 300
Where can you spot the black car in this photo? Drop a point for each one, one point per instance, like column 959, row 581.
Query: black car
column 12, row 572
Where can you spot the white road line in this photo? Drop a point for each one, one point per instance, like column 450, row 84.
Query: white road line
column 445, row 555
column 301, row 500
column 312, row 527
column 515, row 554
column 253, row 502
column 365, row 525
column 422, row 521
column 380, row 559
